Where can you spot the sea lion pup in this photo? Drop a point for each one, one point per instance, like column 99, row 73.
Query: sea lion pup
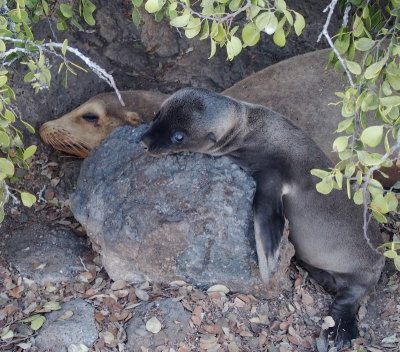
column 326, row 230
column 84, row 128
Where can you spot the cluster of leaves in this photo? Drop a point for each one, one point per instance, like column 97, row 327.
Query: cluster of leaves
column 215, row 19
column 17, row 45
column 369, row 50
column 71, row 14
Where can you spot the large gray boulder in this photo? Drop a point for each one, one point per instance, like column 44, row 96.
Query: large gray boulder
column 183, row 217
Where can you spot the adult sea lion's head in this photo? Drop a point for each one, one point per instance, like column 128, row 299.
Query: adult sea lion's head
column 84, row 128
column 195, row 120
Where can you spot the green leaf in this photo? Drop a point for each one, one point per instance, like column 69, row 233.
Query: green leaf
column 135, row 16
column 7, row 334
column 250, row 34
column 344, row 125
column 349, row 170
column 6, row 167
column 339, row 179
column 29, row 77
column 206, row 30
column 62, row 26
column 379, row 204
column 319, row 173
column 374, row 70
column 137, row 3
column 29, row 152
column 2, row 214
column 180, row 21
column 340, row 143
column 397, row 262
column 3, row 80
column 353, row 67
column 364, row 44
column 52, row 305
column 368, row 159
column 66, row 10
column 38, row 322
column 379, row 217
column 325, row 186
column 233, row 47
column 193, row 28
column 234, row 5
column 392, row 201
column 64, row 47
column 88, row 13
column 299, row 23
column 267, row 22
column 213, row 49
column 393, row 100
column 4, row 140
column 280, row 5
column 342, row 43
column 358, row 197
column 28, row 199
column 372, row 135
column 29, row 127
column 390, row 254
column 279, row 37
column 152, row 6
column 370, row 102
column 45, row 7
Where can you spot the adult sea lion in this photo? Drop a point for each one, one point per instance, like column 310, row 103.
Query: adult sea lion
column 299, row 88
column 84, row 128
column 326, row 230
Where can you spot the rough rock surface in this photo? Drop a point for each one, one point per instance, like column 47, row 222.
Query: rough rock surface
column 174, row 321
column 160, row 219
column 80, row 328
column 45, row 254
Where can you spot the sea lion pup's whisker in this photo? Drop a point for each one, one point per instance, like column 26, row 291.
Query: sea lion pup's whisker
column 330, row 245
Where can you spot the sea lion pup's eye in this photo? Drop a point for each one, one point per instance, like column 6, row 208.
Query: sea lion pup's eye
column 89, row 117
column 178, row 137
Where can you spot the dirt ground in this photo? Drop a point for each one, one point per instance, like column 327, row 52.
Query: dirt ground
column 160, row 59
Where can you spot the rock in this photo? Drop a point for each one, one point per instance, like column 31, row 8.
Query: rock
column 180, row 217
column 174, row 321
column 80, row 328
column 45, row 254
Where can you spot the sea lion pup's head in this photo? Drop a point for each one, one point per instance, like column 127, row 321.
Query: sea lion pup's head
column 195, row 120
column 84, row 128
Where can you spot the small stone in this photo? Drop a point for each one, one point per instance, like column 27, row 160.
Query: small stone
column 49, row 195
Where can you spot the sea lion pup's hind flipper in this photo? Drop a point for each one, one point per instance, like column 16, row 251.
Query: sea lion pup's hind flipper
column 344, row 309
column 269, row 222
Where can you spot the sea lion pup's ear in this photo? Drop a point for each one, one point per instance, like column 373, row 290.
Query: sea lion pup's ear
column 212, row 137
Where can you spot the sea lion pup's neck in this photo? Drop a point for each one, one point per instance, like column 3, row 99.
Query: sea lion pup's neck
column 260, row 131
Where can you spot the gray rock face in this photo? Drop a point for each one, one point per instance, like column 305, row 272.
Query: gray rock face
column 45, row 254
column 174, row 321
column 160, row 219
column 80, row 328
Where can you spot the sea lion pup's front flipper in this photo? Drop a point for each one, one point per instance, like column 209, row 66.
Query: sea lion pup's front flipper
column 269, row 222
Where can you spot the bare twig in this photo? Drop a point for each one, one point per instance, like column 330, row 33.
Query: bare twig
column 325, row 33
column 99, row 71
